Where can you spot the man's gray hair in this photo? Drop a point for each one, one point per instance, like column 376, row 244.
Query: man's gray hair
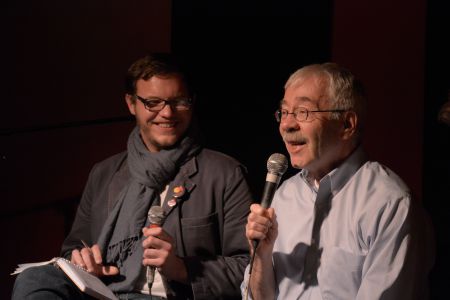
column 343, row 90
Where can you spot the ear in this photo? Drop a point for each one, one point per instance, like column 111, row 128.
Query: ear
column 350, row 123
column 131, row 103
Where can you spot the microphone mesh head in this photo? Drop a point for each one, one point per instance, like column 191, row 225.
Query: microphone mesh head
column 156, row 215
column 277, row 163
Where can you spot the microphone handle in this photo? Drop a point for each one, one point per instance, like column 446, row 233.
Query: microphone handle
column 268, row 192
column 255, row 244
column 150, row 277
column 270, row 187
column 151, row 270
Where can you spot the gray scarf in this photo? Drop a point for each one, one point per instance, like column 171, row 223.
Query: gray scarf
column 121, row 236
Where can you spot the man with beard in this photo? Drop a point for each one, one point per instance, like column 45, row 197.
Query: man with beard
column 200, row 251
column 343, row 227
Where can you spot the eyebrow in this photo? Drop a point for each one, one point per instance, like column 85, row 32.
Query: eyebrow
column 159, row 98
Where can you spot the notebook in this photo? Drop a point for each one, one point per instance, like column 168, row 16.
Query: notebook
column 86, row 282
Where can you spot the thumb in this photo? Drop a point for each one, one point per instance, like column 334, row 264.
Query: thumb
column 271, row 213
column 109, row 270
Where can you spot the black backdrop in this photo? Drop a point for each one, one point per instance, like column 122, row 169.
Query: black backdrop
column 65, row 62
column 241, row 54
column 436, row 176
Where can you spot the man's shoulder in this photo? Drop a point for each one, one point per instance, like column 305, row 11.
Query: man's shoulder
column 113, row 162
column 380, row 185
column 379, row 174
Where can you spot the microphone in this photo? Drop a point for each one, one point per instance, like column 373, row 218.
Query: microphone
column 277, row 165
column 156, row 218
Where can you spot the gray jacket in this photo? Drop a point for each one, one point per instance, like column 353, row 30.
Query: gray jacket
column 207, row 223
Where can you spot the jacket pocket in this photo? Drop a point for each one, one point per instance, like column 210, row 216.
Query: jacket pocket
column 201, row 235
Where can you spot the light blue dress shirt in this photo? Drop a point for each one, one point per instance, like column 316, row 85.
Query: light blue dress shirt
column 352, row 237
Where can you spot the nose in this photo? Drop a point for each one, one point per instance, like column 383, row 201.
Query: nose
column 289, row 123
column 166, row 111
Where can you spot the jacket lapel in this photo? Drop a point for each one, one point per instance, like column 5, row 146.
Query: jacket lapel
column 181, row 187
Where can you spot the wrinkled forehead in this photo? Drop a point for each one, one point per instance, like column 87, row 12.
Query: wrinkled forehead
column 307, row 91
column 299, row 101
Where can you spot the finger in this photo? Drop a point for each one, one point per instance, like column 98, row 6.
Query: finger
column 155, row 234
column 154, row 231
column 150, row 253
column 149, row 242
column 157, row 243
column 273, row 218
column 150, row 257
column 88, row 259
column 97, row 254
column 271, row 213
column 154, row 258
column 257, row 209
column 109, row 270
column 77, row 259
column 255, row 226
column 253, row 219
column 255, row 231
column 258, row 219
column 164, row 236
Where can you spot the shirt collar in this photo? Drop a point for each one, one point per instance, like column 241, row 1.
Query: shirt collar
column 339, row 176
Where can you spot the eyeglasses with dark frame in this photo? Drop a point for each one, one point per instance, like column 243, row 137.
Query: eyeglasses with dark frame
column 301, row 113
column 155, row 104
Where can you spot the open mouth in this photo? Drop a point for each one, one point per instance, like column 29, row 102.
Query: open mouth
column 296, row 143
column 295, row 146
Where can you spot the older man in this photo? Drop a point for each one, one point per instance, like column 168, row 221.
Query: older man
column 343, row 227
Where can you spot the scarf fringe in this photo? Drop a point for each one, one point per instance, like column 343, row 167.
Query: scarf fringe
column 117, row 253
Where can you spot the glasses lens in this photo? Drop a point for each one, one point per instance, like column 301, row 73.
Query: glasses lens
column 154, row 104
column 301, row 114
column 157, row 104
column 278, row 115
column 181, row 103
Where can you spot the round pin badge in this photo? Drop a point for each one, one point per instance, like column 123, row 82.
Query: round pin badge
column 178, row 191
column 172, row 202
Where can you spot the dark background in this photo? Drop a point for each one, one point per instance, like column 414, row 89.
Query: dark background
column 63, row 109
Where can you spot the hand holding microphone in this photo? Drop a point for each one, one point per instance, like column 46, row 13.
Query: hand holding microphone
column 257, row 226
column 277, row 165
column 160, row 250
column 156, row 218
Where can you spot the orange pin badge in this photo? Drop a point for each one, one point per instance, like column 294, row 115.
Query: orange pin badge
column 178, row 191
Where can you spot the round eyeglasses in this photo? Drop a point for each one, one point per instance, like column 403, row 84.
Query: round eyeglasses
column 155, row 104
column 301, row 113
